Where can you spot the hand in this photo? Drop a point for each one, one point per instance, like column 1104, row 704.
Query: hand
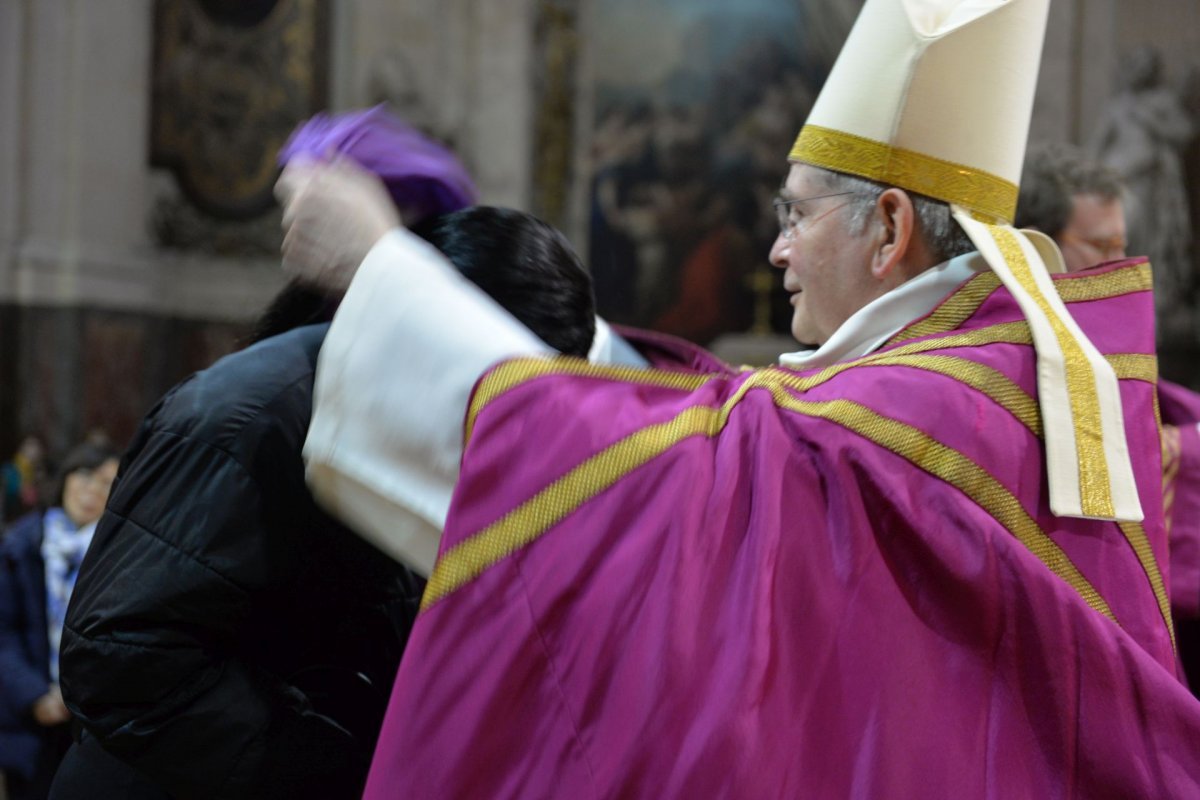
column 49, row 709
column 333, row 214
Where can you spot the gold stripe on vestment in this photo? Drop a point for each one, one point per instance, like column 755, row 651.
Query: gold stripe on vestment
column 1135, row 366
column 1019, row 403
column 1139, row 542
column 1106, row 285
column 956, row 469
column 993, row 384
column 531, row 519
column 954, row 310
column 966, row 300
column 513, row 373
column 1172, row 454
column 470, row 557
column 988, row 381
column 1095, row 492
column 525, row 523
column 1128, row 366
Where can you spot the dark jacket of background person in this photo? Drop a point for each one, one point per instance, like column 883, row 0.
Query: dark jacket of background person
column 39, row 561
column 226, row 637
column 24, row 651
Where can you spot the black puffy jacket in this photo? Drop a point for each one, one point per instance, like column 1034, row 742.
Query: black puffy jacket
column 226, row 637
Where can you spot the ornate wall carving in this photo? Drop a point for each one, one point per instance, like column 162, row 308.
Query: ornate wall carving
column 232, row 78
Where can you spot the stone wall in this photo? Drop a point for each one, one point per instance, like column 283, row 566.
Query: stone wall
column 96, row 319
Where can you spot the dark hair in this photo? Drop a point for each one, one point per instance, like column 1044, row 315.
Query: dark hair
column 1052, row 176
column 295, row 305
column 526, row 266
column 89, row 455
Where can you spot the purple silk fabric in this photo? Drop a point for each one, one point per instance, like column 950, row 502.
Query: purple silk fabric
column 667, row 352
column 788, row 608
column 423, row 177
column 1181, row 409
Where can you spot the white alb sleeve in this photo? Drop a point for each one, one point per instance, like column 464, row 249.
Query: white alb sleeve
column 393, row 379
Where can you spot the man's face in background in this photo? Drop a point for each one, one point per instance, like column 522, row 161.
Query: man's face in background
column 1095, row 233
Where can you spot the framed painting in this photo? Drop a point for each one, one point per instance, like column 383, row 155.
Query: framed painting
column 694, row 105
column 232, row 78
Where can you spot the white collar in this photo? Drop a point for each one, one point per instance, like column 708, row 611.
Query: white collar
column 610, row 348
column 872, row 325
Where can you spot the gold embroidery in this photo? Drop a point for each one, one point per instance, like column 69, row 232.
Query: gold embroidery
column 954, row 311
column 1132, row 366
column 531, row 519
column 1016, row 332
column 895, row 166
column 1094, row 489
column 959, row 471
column 1158, row 423
column 1102, row 287
column 992, row 383
column 1144, row 367
column 504, row 537
column 1172, row 454
column 1135, row 535
column 513, row 373
column 1129, row 366
column 1080, row 289
column 1135, row 366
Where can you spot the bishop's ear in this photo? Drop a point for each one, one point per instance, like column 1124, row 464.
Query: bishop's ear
column 897, row 218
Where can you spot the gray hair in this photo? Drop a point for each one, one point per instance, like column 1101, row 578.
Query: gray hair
column 1053, row 175
column 941, row 233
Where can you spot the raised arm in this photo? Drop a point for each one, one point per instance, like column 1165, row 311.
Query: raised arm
column 409, row 341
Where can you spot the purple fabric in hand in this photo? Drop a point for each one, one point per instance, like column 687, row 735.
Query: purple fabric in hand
column 424, row 178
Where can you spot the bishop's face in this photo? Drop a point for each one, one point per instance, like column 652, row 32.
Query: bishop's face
column 826, row 264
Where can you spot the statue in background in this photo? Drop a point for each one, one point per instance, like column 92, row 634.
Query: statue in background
column 1189, row 93
column 1142, row 135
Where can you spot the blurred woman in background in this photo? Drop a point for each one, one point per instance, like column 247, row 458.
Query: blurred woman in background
column 39, row 560
column 22, row 477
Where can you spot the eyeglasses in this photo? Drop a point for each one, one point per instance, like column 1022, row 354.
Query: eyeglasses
column 1112, row 247
column 788, row 222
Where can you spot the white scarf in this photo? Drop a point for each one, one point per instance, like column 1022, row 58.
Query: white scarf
column 63, row 548
column 872, row 325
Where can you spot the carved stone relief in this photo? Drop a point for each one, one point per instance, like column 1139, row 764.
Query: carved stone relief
column 231, row 81
column 1143, row 134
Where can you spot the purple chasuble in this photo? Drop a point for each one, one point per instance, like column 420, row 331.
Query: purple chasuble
column 842, row 583
column 666, row 352
column 1181, row 493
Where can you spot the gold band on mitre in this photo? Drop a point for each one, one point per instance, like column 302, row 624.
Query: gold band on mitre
column 970, row 188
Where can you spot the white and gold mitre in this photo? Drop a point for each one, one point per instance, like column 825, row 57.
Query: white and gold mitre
column 935, row 97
